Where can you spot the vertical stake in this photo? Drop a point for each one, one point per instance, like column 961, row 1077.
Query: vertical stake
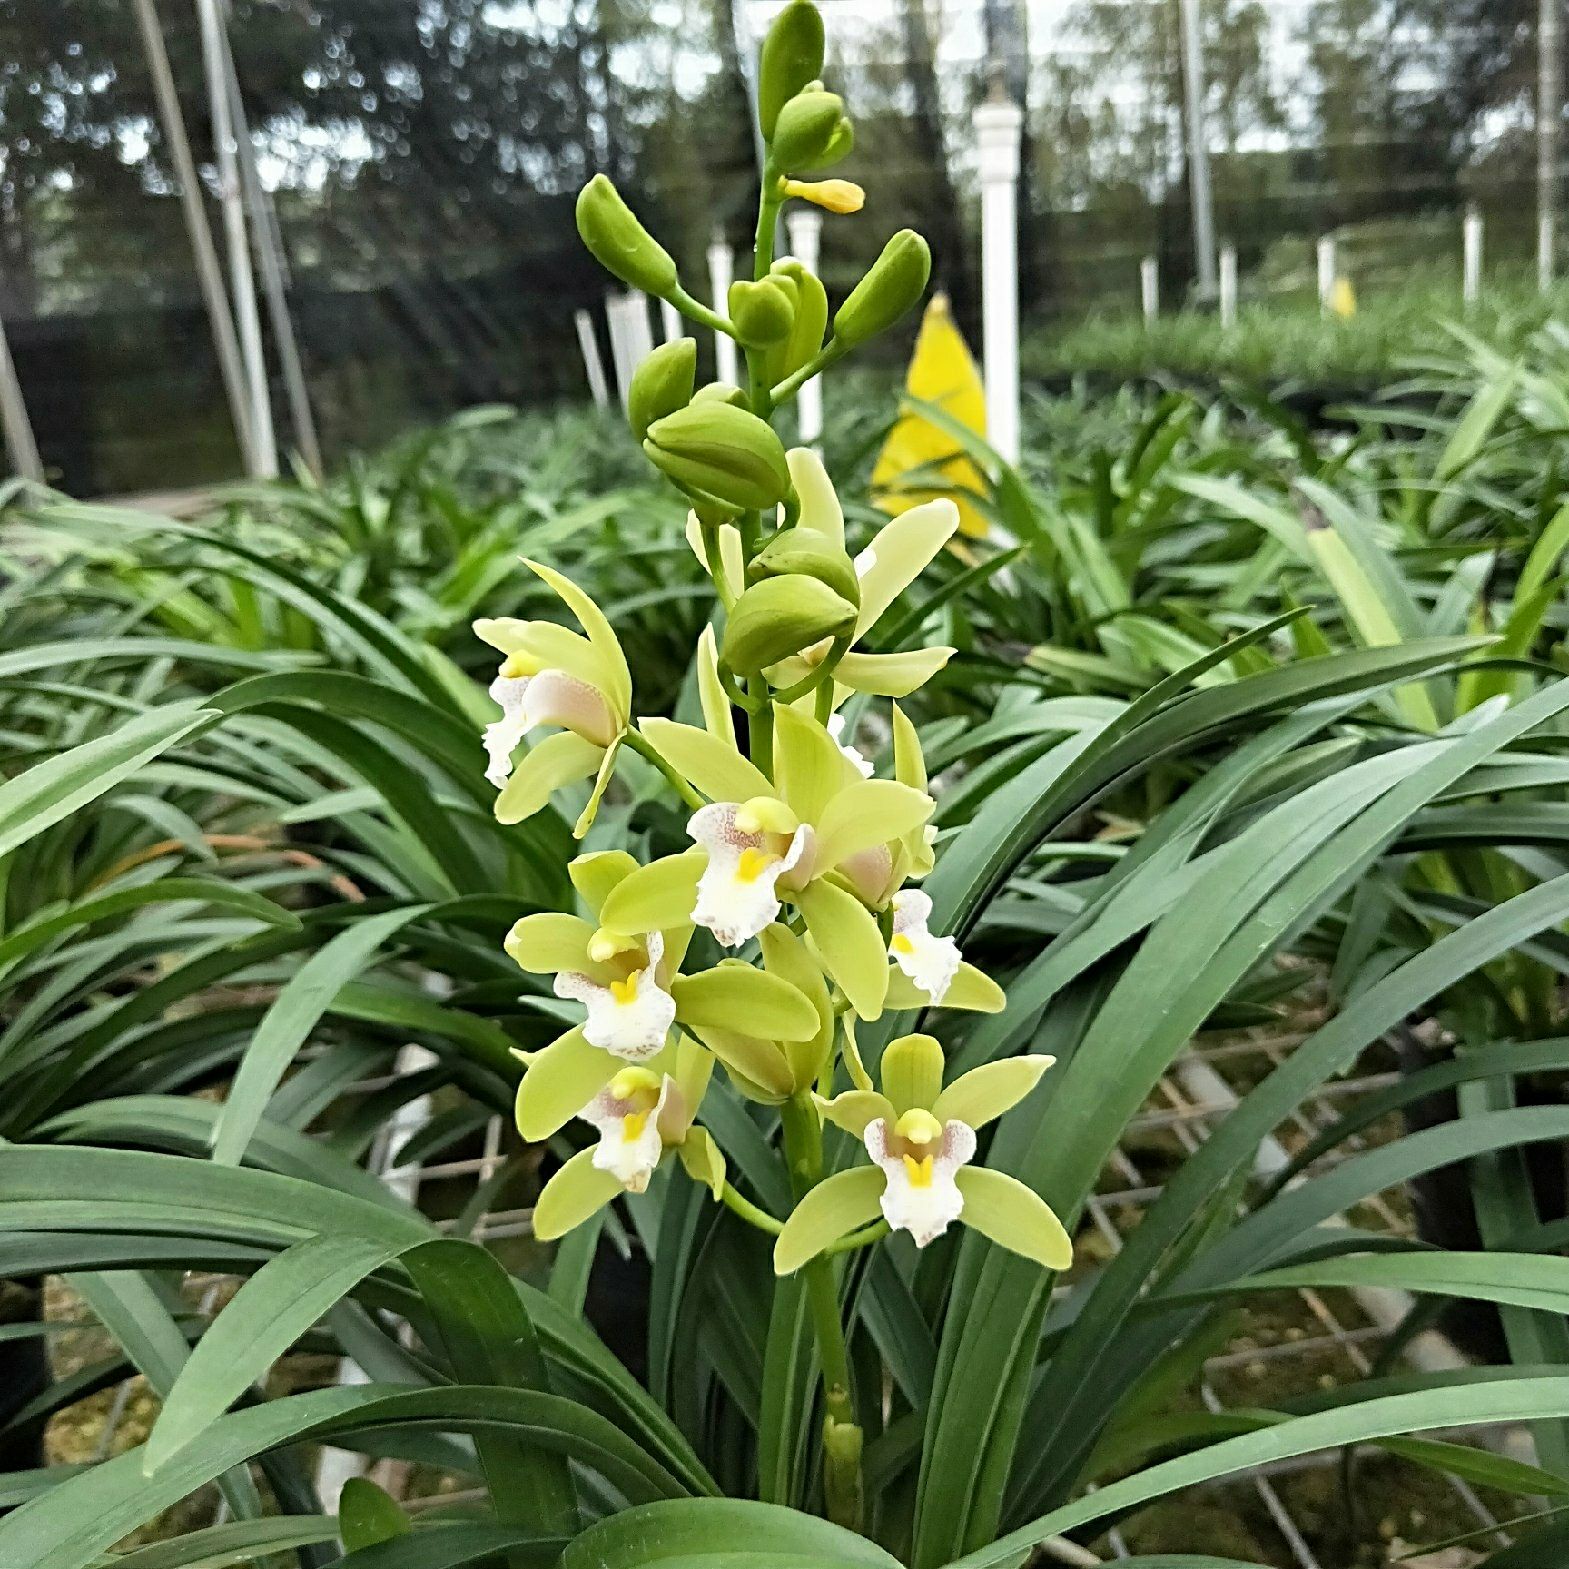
column 998, row 125
column 592, row 364
column 721, row 273
column 1149, row 289
column 18, row 428
column 1327, row 268
column 1197, row 126
column 805, row 229
column 1549, row 107
column 1471, row 256
column 1228, row 285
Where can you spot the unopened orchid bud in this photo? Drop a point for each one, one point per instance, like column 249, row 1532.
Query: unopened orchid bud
column 723, row 452
column 840, row 196
column 810, row 552
column 811, row 132
column 620, row 243
column 806, row 328
column 762, row 312
column 780, row 616
column 721, row 392
column 895, row 282
column 662, row 384
column 792, row 56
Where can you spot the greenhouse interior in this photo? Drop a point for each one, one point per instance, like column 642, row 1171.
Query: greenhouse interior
column 785, row 784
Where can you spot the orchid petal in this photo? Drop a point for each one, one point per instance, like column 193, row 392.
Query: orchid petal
column 985, row 1093
column 911, row 1072
column 855, row 1110
column 558, row 760
column 655, row 897
column 929, row 960
column 820, row 507
column 717, row 717
column 715, row 767
column 891, row 675
column 600, row 633
column 597, row 875
column 834, row 1208
column 865, row 813
column 902, row 550
column 849, row 943
column 577, row 1191
column 559, row 1082
column 1013, row 1216
column 703, row 1159
column 737, row 892
column 548, row 942
column 733, row 994
column 810, row 767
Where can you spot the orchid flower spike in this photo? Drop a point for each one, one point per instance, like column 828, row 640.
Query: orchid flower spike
column 550, row 675
column 640, row 1115
column 921, row 1139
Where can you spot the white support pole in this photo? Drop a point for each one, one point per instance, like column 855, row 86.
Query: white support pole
column 640, row 337
column 1327, row 267
column 242, row 280
column 721, row 274
column 620, row 349
column 1149, row 289
column 1228, row 285
column 997, row 128
column 805, row 229
column 1471, row 256
column 592, row 364
column 1549, row 107
column 1197, row 126
column 670, row 324
column 19, row 441
column 209, row 274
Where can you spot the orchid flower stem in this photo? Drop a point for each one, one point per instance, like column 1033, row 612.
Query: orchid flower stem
column 819, row 362
column 695, row 310
column 716, row 564
column 645, row 749
column 858, row 1239
column 823, row 704
column 760, row 728
column 749, row 1212
column 842, row 1485
column 820, row 677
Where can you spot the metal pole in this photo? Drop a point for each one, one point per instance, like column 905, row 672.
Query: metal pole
column 805, row 228
column 209, row 274
column 1549, row 108
column 721, row 273
column 19, row 440
column 269, row 251
column 1149, row 288
column 998, row 125
column 1198, row 147
column 1326, row 271
column 242, row 281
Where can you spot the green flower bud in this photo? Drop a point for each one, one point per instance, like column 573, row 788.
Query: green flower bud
column 778, row 617
column 662, row 384
column 722, row 392
column 811, row 132
column 895, row 282
column 806, row 330
column 620, row 243
column 762, row 312
column 810, row 553
column 722, row 451
column 792, row 56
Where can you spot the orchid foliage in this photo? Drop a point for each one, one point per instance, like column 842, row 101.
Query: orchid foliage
column 803, row 866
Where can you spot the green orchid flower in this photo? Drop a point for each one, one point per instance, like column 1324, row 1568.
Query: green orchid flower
column 921, row 1139
column 641, row 1114
column 551, row 675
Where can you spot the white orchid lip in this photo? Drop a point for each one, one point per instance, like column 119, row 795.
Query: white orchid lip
column 552, row 697
column 628, row 1113
column 737, row 893
column 630, row 1015
column 930, row 961
column 919, row 1157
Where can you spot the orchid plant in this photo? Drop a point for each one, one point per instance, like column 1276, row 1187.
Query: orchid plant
column 802, row 856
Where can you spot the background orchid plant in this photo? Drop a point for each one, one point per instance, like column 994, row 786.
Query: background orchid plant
column 802, row 858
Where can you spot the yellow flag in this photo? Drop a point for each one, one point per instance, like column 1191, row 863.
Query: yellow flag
column 943, row 372
column 1343, row 299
